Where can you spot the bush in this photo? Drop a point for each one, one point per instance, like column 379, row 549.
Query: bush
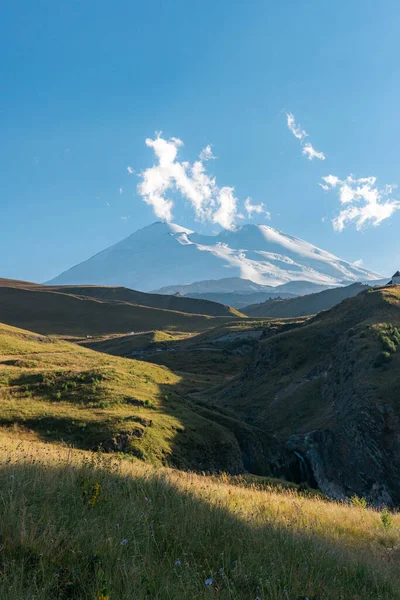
column 386, row 519
column 358, row 502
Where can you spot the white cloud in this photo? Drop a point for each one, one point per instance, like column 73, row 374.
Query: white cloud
column 331, row 181
column 363, row 203
column 207, row 154
column 226, row 215
column 130, row 170
column 121, row 191
column 297, row 131
column 358, row 263
column 125, row 218
column 255, row 208
column 209, row 201
column 310, row 152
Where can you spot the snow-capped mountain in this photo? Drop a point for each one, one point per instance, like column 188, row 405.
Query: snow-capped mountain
column 165, row 254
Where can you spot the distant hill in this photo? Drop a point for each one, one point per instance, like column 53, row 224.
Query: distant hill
column 239, row 301
column 120, row 294
column 226, row 285
column 175, row 303
column 166, row 254
column 303, row 305
column 52, row 312
column 329, row 388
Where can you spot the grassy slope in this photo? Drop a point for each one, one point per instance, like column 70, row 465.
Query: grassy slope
column 76, row 525
column 303, row 305
column 60, row 391
column 121, row 294
column 337, row 377
column 175, row 303
column 276, row 387
column 125, row 345
column 55, row 313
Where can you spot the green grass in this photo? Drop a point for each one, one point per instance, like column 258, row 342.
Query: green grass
column 55, row 313
column 125, row 345
column 58, row 391
column 88, row 527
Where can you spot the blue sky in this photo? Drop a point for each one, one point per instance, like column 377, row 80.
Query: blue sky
column 84, row 84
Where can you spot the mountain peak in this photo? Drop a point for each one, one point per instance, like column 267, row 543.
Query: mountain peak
column 159, row 227
column 165, row 254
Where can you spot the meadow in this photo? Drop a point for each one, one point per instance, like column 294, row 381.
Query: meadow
column 85, row 525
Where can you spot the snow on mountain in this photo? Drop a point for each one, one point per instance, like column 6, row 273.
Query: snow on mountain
column 165, row 254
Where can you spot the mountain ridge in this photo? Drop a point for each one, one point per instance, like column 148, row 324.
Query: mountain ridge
column 301, row 306
column 165, row 254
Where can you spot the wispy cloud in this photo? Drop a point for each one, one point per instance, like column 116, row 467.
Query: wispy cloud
column 362, row 202
column 209, row 201
column 121, row 190
column 299, row 133
column 130, row 170
column 310, row 152
column 207, row 154
column 255, row 208
column 358, row 263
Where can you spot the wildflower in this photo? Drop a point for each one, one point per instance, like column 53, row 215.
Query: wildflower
column 178, row 563
column 221, row 571
column 124, row 542
column 148, row 500
column 208, row 582
column 116, row 525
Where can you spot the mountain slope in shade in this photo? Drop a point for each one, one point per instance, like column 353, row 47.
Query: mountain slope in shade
column 52, row 312
column 237, row 285
column 329, row 388
column 166, row 254
column 124, row 295
column 239, row 301
column 304, row 305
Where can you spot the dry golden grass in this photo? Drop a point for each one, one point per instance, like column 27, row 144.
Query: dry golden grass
column 84, row 526
column 56, row 390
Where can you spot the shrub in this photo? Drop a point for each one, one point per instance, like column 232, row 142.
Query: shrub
column 386, row 519
column 358, row 502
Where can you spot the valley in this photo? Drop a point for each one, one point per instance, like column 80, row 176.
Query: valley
column 148, row 417
column 279, row 433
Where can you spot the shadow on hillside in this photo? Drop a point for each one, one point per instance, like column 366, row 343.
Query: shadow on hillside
column 214, row 439
column 206, row 438
column 67, row 545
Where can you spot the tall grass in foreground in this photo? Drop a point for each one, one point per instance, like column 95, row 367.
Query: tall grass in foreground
column 85, row 526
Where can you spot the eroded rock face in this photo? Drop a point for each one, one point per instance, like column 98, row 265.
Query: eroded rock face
column 359, row 452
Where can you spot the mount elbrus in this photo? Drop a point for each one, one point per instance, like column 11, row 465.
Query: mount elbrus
column 165, row 254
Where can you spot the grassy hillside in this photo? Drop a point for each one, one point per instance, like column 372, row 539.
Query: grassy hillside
column 121, row 294
column 54, row 313
column 226, row 348
column 77, row 525
column 303, row 305
column 55, row 390
column 329, row 390
column 128, row 345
